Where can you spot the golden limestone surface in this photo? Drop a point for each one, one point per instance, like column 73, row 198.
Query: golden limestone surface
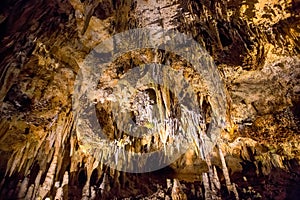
column 154, row 108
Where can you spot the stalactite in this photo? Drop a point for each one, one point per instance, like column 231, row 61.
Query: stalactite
column 25, row 156
column 199, row 193
column 28, row 165
column 116, row 183
column 207, row 191
column 10, row 193
column 65, row 181
column 17, row 189
column 230, row 187
column 29, row 194
column 216, row 180
column 89, row 11
column 4, row 191
column 23, row 188
column 48, row 144
column 91, row 164
column 37, row 184
column 104, row 186
column 214, row 192
column 177, row 192
column 59, row 194
column 193, row 190
column 169, row 183
column 93, row 193
column 86, row 191
column 1, row 186
column 65, row 185
column 14, row 161
column 225, row 170
column 49, row 180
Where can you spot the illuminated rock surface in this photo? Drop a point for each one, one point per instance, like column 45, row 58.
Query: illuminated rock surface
column 255, row 46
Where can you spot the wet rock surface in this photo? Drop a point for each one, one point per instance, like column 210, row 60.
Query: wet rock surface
column 255, row 45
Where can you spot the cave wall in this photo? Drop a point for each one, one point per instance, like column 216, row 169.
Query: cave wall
column 255, row 45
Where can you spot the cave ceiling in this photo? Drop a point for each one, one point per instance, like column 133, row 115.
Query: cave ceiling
column 150, row 99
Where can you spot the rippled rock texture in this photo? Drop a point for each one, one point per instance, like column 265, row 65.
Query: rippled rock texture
column 255, row 46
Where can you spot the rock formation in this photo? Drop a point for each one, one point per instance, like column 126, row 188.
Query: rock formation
column 46, row 153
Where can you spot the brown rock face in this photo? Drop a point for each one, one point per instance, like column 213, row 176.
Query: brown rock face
column 48, row 151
